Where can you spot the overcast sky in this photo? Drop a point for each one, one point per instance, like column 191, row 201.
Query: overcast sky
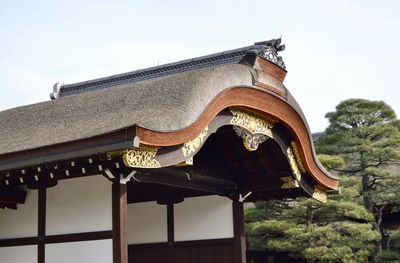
column 334, row 49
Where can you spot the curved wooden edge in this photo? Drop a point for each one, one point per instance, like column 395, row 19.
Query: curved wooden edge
column 254, row 99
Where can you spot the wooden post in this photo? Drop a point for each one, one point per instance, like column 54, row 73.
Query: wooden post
column 171, row 232
column 41, row 224
column 238, row 231
column 119, row 219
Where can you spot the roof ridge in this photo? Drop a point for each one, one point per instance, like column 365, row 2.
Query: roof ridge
column 267, row 49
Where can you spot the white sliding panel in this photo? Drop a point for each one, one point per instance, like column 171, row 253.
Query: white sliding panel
column 199, row 218
column 21, row 254
column 21, row 222
column 79, row 205
column 147, row 223
column 99, row 251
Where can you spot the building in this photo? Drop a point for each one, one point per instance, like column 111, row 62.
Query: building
column 154, row 165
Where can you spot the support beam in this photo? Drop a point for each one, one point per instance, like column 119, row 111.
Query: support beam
column 179, row 177
column 13, row 195
column 238, row 232
column 119, row 220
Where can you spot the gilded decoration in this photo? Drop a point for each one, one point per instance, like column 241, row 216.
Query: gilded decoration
column 298, row 157
column 250, row 141
column 141, row 158
column 252, row 129
column 289, row 182
column 192, row 146
column 293, row 164
column 319, row 194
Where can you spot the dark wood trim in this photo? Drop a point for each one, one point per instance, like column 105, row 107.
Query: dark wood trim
column 190, row 243
column 148, row 246
column 170, row 223
column 194, row 243
column 23, row 241
column 119, row 221
column 42, row 193
column 238, row 231
column 64, row 238
column 77, row 237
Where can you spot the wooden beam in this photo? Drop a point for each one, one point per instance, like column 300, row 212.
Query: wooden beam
column 21, row 241
column 180, row 178
column 119, row 220
column 12, row 195
column 238, row 232
column 78, row 237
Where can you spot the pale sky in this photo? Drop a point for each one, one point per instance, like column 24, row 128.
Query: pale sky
column 335, row 50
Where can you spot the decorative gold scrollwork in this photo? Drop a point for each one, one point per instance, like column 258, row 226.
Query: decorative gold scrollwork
column 298, row 157
column 293, row 164
column 251, row 123
column 141, row 158
column 319, row 194
column 193, row 145
column 252, row 129
column 289, row 182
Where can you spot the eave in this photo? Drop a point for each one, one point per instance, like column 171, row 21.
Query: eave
column 264, row 99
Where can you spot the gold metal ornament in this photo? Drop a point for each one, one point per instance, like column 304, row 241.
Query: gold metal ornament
column 192, row 146
column 293, row 164
column 252, row 129
column 319, row 194
column 298, row 157
column 289, row 182
column 251, row 123
column 141, row 158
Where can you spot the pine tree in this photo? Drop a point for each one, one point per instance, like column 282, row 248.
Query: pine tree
column 366, row 134
column 338, row 231
column 362, row 144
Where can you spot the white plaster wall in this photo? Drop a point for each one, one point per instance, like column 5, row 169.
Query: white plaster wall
column 79, row 205
column 147, row 223
column 21, row 254
column 21, row 222
column 99, row 251
column 200, row 218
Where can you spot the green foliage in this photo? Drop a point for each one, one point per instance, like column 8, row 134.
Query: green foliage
column 388, row 256
column 365, row 134
column 331, row 161
column 338, row 231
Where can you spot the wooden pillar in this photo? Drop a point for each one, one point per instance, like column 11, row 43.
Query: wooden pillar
column 170, row 232
column 119, row 220
column 41, row 224
column 238, row 231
